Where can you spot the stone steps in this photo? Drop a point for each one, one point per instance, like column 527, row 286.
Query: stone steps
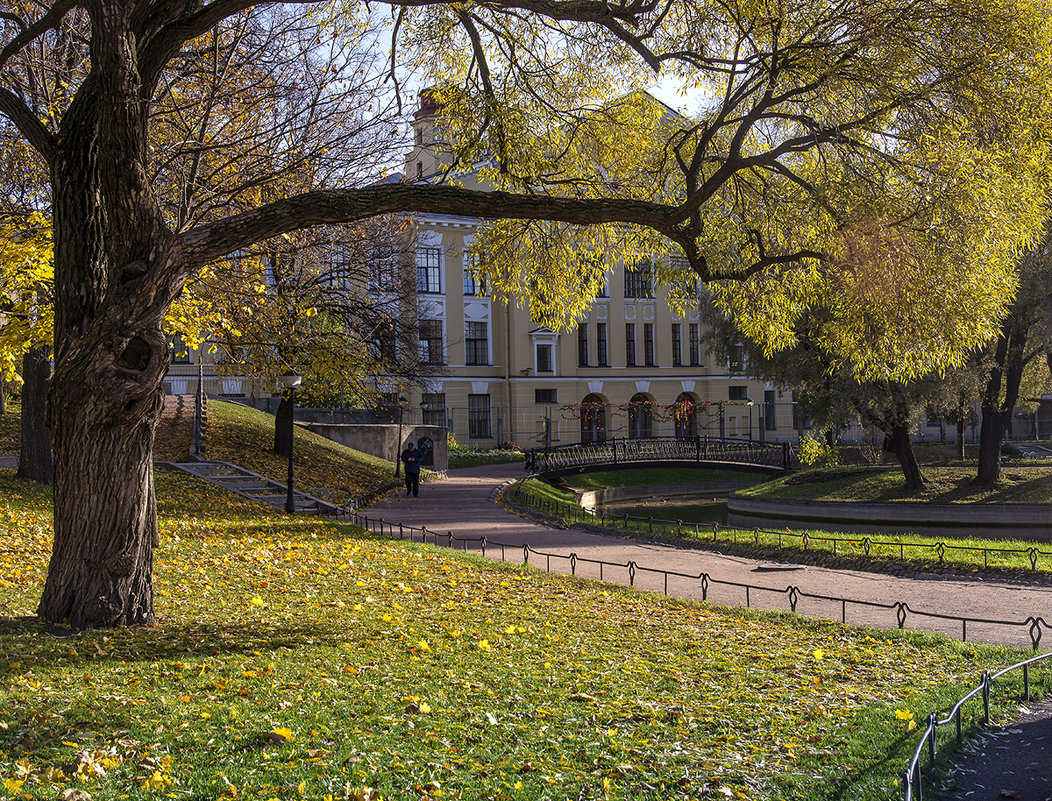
column 253, row 486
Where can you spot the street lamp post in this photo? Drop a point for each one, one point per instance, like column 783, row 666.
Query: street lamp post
column 291, row 381
column 398, row 453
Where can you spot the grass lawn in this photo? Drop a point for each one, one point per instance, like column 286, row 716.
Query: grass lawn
column 303, row 658
column 943, row 484
column 326, row 469
column 604, row 479
column 697, row 518
column 476, row 458
column 10, row 423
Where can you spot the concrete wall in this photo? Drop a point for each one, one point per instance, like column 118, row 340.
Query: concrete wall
column 383, row 440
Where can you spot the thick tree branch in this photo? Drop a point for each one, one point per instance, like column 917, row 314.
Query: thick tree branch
column 50, row 20
column 204, row 243
column 42, row 140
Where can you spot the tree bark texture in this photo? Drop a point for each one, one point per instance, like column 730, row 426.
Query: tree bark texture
column 115, row 276
column 897, row 440
column 1000, row 396
column 35, row 461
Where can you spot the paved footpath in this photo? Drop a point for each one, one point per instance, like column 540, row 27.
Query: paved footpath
column 462, row 505
column 1014, row 762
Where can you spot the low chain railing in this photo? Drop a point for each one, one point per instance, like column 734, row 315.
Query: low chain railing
column 1034, row 625
column 912, row 780
column 665, row 449
column 865, row 546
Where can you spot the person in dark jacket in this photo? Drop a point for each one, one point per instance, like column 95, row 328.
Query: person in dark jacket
column 412, row 457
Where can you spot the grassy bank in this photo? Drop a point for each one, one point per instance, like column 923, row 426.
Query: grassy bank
column 302, row 658
column 326, row 469
column 605, row 479
column 694, row 523
column 943, row 484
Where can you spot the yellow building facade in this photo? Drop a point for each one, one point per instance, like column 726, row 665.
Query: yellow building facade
column 632, row 367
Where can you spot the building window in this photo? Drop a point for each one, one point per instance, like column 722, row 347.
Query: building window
column 582, row 345
column 180, row 352
column 604, row 290
column 736, row 360
column 770, row 411
column 381, row 264
column 640, row 416
column 544, row 359
column 685, row 414
column 638, row 280
column 473, row 283
column 630, row 344
column 429, row 270
column 383, row 344
column 593, row 419
column 431, row 342
column 600, row 345
column 478, row 416
column 737, row 393
column 695, row 344
column 648, row 344
column 677, row 345
column 434, row 405
column 476, row 344
column 545, row 396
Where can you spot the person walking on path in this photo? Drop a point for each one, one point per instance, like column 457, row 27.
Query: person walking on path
column 412, row 457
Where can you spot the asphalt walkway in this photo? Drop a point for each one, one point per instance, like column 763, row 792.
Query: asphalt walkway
column 1013, row 762
column 462, row 505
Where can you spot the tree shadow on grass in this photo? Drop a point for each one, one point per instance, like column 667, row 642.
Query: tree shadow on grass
column 28, row 643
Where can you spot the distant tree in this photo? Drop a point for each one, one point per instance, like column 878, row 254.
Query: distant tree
column 1024, row 339
column 827, row 392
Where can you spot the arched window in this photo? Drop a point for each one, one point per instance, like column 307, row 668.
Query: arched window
column 640, row 417
column 593, row 419
column 685, row 415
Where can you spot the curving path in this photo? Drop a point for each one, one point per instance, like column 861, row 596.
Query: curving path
column 462, row 505
column 1014, row 762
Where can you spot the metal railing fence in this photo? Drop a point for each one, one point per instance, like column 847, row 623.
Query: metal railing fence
column 912, row 779
column 631, row 570
column 848, row 545
column 658, row 449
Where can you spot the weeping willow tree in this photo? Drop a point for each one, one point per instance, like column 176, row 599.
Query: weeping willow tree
column 859, row 149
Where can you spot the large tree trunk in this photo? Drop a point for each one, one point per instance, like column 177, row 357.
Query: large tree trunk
column 897, row 440
column 991, row 434
column 115, row 276
column 35, row 461
column 101, row 571
column 1000, row 396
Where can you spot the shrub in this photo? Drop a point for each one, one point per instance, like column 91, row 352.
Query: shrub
column 815, row 453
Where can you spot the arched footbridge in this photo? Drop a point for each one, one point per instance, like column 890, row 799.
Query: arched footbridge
column 773, row 457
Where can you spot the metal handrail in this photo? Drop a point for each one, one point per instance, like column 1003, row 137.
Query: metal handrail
column 794, row 594
column 657, row 449
column 912, row 777
column 866, row 543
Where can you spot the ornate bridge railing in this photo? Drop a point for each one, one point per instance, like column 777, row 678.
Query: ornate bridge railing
column 614, row 451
